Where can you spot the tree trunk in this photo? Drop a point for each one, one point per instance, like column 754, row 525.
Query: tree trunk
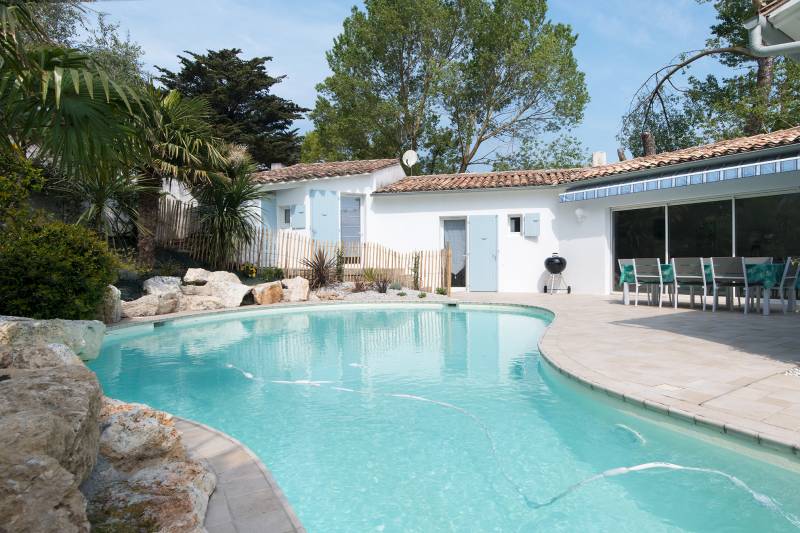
column 148, row 221
column 648, row 143
column 755, row 123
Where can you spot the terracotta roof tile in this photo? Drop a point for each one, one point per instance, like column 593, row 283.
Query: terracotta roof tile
column 304, row 171
column 530, row 178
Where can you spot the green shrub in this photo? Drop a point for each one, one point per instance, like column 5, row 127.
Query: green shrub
column 395, row 286
column 370, row 275
column 422, row 295
column 53, row 270
column 441, row 291
column 271, row 274
column 18, row 178
column 401, row 293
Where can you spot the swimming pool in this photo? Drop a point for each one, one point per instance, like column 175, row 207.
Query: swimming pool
column 430, row 418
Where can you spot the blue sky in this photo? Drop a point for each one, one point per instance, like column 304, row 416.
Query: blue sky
column 620, row 43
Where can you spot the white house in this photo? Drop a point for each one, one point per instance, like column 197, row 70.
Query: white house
column 325, row 201
column 736, row 197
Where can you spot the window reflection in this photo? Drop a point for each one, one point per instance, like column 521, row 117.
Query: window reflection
column 638, row 233
column 768, row 226
column 701, row 230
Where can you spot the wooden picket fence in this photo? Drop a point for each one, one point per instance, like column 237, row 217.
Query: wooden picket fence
column 179, row 229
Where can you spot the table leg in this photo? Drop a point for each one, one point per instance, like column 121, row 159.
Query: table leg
column 765, row 299
column 626, row 294
column 792, row 299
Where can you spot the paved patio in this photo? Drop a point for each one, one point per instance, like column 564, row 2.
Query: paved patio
column 736, row 373
column 247, row 498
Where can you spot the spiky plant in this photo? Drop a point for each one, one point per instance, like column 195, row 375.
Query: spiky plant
column 322, row 269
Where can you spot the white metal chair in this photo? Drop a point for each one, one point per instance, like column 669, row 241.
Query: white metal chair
column 726, row 272
column 788, row 282
column 689, row 272
column 647, row 272
column 626, row 297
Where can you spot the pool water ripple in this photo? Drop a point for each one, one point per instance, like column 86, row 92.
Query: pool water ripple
column 438, row 419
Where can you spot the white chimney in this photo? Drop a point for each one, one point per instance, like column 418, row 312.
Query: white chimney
column 598, row 159
column 273, row 166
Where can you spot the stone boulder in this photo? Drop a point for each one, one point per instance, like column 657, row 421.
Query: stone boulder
column 134, row 434
column 295, row 289
column 221, row 276
column 144, row 479
column 196, row 290
column 52, row 411
column 151, row 305
column 83, row 337
column 199, row 303
column 37, row 356
column 196, row 275
column 231, row 294
column 39, row 495
column 268, row 293
column 170, row 497
column 112, row 305
column 162, row 285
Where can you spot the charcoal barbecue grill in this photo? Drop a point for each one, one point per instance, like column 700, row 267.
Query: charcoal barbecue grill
column 555, row 265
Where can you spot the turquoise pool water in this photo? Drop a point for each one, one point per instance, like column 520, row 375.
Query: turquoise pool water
column 423, row 418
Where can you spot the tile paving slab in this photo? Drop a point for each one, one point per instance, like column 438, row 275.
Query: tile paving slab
column 723, row 369
column 247, row 498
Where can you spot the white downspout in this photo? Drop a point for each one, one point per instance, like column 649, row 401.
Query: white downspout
column 757, row 46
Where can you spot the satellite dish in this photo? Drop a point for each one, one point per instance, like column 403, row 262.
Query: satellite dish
column 410, row 158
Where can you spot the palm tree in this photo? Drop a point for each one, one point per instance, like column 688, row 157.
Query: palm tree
column 225, row 205
column 56, row 105
column 177, row 143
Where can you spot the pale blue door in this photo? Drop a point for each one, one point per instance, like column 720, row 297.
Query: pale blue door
column 324, row 215
column 269, row 220
column 482, row 253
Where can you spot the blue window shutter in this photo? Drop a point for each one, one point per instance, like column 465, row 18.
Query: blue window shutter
column 298, row 217
column 530, row 226
column 324, row 215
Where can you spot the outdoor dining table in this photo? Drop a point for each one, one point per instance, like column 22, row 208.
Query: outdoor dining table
column 766, row 275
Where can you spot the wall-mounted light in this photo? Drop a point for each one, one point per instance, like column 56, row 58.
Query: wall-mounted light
column 580, row 215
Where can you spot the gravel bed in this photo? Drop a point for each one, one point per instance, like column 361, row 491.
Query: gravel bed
column 343, row 292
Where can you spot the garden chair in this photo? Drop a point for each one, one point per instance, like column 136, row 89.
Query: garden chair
column 788, row 283
column 758, row 288
column 727, row 273
column 625, row 289
column 647, row 272
column 689, row 272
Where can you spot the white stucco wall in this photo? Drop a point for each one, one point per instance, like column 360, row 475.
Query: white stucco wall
column 585, row 242
column 414, row 221
column 298, row 193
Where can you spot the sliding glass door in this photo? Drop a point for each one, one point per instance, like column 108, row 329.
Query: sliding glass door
column 639, row 233
column 701, row 230
column 764, row 226
column 768, row 226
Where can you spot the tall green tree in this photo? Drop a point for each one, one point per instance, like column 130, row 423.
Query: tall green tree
column 70, row 24
column 245, row 111
column 445, row 77
column 756, row 95
column 564, row 151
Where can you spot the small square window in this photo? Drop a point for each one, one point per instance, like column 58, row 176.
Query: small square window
column 515, row 224
column 287, row 215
